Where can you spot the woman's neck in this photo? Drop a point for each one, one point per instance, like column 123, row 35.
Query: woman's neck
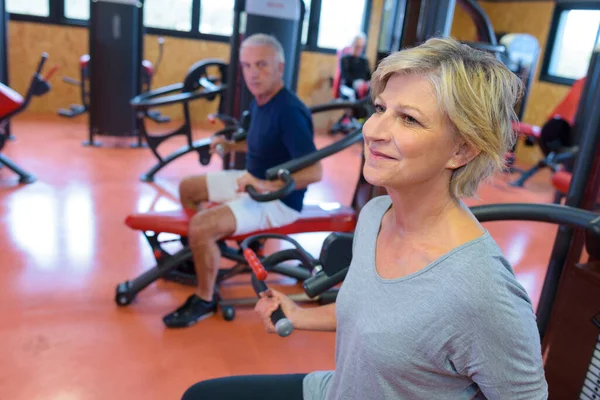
column 429, row 212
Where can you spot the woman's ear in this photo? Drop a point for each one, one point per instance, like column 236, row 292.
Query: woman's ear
column 463, row 154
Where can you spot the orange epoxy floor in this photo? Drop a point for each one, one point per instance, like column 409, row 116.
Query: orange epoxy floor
column 64, row 248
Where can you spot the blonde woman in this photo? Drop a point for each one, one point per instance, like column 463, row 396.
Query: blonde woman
column 430, row 308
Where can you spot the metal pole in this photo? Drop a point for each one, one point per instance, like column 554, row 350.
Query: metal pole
column 588, row 131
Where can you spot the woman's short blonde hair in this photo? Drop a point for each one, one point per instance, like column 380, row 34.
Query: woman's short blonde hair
column 475, row 91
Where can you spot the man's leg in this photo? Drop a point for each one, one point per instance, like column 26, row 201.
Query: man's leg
column 206, row 228
column 192, row 191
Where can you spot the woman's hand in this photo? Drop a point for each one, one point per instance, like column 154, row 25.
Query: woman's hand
column 268, row 303
column 260, row 185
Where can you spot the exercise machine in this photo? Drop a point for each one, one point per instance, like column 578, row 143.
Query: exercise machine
column 336, row 252
column 314, row 218
column 207, row 80
column 4, row 55
column 148, row 72
column 211, row 78
column 556, row 138
column 569, row 309
column 115, row 55
column 12, row 103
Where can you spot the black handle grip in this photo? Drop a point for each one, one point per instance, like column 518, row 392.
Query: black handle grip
column 321, row 282
column 225, row 119
column 288, row 187
column 283, row 326
column 41, row 63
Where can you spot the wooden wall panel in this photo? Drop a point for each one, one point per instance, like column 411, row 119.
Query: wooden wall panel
column 27, row 41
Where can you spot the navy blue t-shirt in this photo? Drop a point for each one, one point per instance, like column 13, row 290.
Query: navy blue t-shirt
column 280, row 130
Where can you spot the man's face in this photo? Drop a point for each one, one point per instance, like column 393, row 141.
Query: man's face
column 261, row 68
column 358, row 46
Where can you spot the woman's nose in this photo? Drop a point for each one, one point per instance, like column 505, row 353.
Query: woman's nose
column 374, row 128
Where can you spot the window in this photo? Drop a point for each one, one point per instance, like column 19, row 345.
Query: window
column 388, row 18
column 574, row 33
column 39, row 8
column 77, row 9
column 338, row 25
column 307, row 4
column 169, row 14
column 326, row 25
column 216, row 17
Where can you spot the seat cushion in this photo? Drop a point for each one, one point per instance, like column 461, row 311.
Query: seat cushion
column 84, row 60
column 561, row 181
column 325, row 217
column 148, row 68
column 10, row 100
column 527, row 129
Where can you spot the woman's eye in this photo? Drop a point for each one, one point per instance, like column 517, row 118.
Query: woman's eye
column 409, row 120
column 379, row 108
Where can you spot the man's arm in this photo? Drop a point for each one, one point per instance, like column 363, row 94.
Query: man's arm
column 241, row 146
column 302, row 178
column 298, row 138
column 308, row 175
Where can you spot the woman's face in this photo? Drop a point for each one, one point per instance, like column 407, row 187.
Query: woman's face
column 408, row 141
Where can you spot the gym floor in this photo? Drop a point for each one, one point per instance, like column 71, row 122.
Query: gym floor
column 65, row 247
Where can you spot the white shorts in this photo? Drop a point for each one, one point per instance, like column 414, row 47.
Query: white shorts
column 250, row 215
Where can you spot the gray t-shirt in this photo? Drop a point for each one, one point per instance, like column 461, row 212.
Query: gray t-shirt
column 460, row 328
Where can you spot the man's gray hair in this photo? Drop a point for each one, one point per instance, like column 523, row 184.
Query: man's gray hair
column 262, row 39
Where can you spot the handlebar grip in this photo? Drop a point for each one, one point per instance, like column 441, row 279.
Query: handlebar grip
column 51, row 73
column 239, row 135
column 283, row 326
column 255, row 265
column 288, row 187
column 225, row 119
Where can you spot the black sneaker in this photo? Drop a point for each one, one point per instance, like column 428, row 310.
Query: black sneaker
column 193, row 310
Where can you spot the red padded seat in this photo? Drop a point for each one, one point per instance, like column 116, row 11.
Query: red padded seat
column 9, row 100
column 148, row 68
column 561, row 181
column 314, row 218
column 84, row 60
column 525, row 129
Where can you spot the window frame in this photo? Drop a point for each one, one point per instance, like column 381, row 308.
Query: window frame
column 313, row 27
column 559, row 8
column 57, row 17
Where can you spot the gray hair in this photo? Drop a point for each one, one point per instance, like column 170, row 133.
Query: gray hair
column 262, row 39
column 360, row 35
